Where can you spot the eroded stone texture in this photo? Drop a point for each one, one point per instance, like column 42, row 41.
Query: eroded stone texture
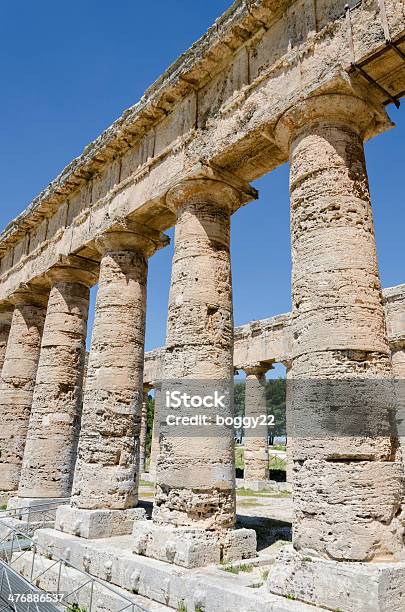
column 348, row 488
column 18, row 381
column 50, row 451
column 195, row 482
column 256, row 455
column 107, row 472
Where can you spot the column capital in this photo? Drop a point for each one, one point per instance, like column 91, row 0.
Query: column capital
column 287, row 364
column 74, row 269
column 205, row 182
column 397, row 344
column 26, row 294
column 257, row 369
column 348, row 109
column 131, row 237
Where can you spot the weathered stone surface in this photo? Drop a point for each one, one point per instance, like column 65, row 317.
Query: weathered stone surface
column 195, row 481
column 18, row 381
column 189, row 547
column 218, row 102
column 352, row 587
column 50, row 450
column 256, row 455
column 102, row 523
column 354, row 512
column 107, row 468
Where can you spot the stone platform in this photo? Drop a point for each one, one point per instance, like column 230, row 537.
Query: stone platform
column 332, row 585
column 211, row 588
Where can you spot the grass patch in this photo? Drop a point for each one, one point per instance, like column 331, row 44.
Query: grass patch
column 239, row 458
column 3, row 507
column 145, row 483
column 236, row 569
column 265, row 574
column 242, row 492
column 181, row 607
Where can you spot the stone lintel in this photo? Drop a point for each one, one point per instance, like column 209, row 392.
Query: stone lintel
column 352, row 587
column 91, row 524
column 188, row 547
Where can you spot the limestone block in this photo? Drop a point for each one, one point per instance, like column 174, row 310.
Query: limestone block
column 353, row 587
column 190, row 547
column 92, row 524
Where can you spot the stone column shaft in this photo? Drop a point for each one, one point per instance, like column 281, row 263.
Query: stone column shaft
column 144, row 429
column 50, row 451
column 195, row 481
column 18, row 381
column 256, row 455
column 342, row 372
column 155, row 445
column 107, row 468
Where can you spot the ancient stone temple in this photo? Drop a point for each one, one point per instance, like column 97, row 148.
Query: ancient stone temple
column 302, row 82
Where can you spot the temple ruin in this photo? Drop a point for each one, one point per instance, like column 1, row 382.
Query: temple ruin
column 272, row 81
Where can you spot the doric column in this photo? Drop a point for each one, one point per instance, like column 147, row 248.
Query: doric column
column 107, row 468
column 5, row 323
column 256, row 455
column 348, row 474
column 195, row 480
column 288, row 405
column 18, row 381
column 398, row 367
column 143, row 429
column 154, row 447
column 50, row 451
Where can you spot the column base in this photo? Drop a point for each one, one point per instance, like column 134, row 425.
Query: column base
column 189, row 547
column 262, row 485
column 352, row 587
column 101, row 523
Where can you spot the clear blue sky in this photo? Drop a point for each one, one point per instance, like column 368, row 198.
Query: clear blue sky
column 68, row 70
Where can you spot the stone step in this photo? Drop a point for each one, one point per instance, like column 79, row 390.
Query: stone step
column 46, row 575
column 209, row 588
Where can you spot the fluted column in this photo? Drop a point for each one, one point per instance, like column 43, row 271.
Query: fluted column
column 18, row 381
column 288, row 405
column 398, row 367
column 155, row 447
column 107, row 468
column 195, row 480
column 256, row 455
column 348, row 473
column 50, row 451
column 143, row 429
